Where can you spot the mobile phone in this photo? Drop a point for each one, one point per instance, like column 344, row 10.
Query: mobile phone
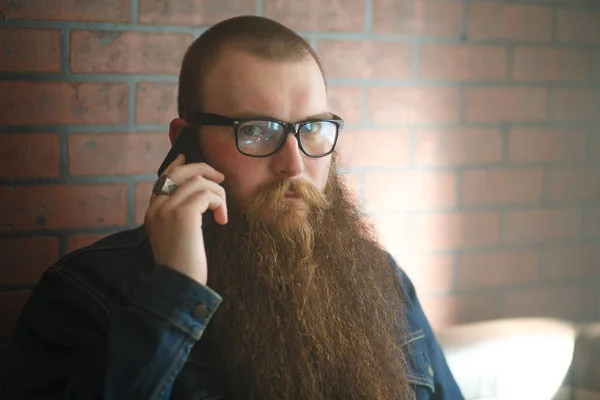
column 186, row 144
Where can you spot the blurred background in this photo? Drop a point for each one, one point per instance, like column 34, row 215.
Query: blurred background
column 472, row 140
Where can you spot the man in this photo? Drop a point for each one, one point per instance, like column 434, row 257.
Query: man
column 254, row 278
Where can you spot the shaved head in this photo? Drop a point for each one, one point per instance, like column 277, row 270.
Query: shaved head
column 259, row 36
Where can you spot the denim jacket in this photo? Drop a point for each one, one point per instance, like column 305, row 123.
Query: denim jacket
column 105, row 322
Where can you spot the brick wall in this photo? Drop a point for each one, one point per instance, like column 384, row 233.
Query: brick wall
column 473, row 136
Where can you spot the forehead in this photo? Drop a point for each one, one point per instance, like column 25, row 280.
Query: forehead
column 240, row 84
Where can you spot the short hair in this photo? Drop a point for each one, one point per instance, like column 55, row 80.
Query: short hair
column 259, row 36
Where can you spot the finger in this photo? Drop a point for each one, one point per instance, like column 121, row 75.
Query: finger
column 179, row 160
column 220, row 214
column 205, row 200
column 181, row 173
column 196, row 183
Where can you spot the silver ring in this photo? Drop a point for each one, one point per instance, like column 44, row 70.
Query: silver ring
column 164, row 185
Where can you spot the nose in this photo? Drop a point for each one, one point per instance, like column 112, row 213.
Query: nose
column 288, row 162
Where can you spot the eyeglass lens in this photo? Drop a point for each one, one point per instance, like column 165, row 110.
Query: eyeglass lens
column 263, row 137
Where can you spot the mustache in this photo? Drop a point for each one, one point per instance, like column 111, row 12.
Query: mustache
column 272, row 196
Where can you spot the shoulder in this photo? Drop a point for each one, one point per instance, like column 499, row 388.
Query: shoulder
column 108, row 270
column 408, row 288
column 117, row 251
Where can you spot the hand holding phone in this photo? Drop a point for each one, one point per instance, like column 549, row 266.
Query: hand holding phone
column 174, row 223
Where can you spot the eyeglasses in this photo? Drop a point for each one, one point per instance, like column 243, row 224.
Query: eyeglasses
column 263, row 137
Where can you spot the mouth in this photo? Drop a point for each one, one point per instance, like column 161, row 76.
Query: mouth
column 292, row 195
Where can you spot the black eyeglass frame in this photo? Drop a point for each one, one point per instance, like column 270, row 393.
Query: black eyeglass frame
column 209, row 119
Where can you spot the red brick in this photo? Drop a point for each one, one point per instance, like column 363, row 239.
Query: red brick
column 594, row 146
column 592, row 223
column 347, row 102
column 572, row 262
column 316, row 15
column 409, row 190
column 445, row 231
column 37, row 155
column 393, row 232
column 443, row 147
column 497, row 268
column 24, row 260
column 116, row 153
column 191, row 12
column 555, row 301
column 127, row 52
column 462, row 62
column 430, row 272
column 34, row 103
column 506, row 104
column 366, row 59
column 76, row 242
column 156, row 103
column 62, row 206
column 578, row 26
column 551, row 64
column 542, row 225
column 11, row 305
column 574, row 184
column 418, row 17
column 143, row 190
column 67, row 10
column 444, row 311
column 501, row 186
column 414, row 104
column 368, row 148
column 576, row 105
column 30, row 50
column 546, row 145
column 495, row 20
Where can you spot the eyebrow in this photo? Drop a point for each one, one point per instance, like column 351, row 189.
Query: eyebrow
column 247, row 114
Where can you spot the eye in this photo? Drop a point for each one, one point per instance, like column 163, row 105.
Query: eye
column 251, row 130
column 313, row 127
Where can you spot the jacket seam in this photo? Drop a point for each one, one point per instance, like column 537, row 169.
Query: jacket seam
column 95, row 247
column 417, row 379
column 83, row 285
column 420, row 380
column 167, row 375
column 61, row 270
column 173, row 321
column 416, row 335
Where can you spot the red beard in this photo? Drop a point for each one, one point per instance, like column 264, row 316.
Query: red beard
column 311, row 307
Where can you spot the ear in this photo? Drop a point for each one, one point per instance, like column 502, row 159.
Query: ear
column 175, row 128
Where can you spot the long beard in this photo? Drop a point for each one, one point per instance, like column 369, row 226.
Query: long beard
column 311, row 308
